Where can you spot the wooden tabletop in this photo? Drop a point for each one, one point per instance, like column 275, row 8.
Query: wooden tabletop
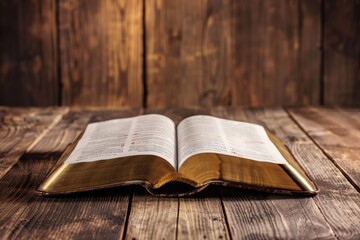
column 325, row 141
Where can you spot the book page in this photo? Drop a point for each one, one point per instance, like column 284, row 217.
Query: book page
column 206, row 134
column 143, row 135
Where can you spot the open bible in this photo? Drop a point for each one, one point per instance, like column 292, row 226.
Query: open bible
column 170, row 160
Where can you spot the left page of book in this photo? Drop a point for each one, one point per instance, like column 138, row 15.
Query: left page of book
column 151, row 134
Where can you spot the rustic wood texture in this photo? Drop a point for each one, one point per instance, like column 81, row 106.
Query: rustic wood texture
column 24, row 213
column 162, row 53
column 203, row 217
column 133, row 214
column 275, row 52
column 342, row 52
column 101, row 52
column 337, row 132
column 338, row 200
column 263, row 216
column 20, row 128
column 28, row 53
column 147, row 209
column 188, row 53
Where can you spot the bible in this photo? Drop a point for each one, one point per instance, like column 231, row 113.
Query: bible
column 169, row 160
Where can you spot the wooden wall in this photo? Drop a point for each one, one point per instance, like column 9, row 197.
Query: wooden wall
column 164, row 53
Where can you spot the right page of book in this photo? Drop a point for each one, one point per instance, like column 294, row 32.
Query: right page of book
column 207, row 134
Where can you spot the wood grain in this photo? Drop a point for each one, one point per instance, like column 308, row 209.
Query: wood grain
column 28, row 57
column 188, row 53
column 89, row 216
column 101, row 52
column 233, row 214
column 177, row 53
column 275, row 52
column 338, row 201
column 308, row 86
column 337, row 132
column 152, row 217
column 254, row 215
column 20, row 128
column 202, row 217
column 342, row 52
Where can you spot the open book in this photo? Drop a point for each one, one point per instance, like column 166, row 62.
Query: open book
column 171, row 160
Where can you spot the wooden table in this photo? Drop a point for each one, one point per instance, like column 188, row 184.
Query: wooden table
column 326, row 142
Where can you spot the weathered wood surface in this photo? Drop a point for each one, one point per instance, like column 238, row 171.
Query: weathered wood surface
column 341, row 52
column 179, row 53
column 203, row 217
column 20, row 129
column 275, row 52
column 101, row 52
column 146, row 209
column 28, row 53
column 263, row 216
column 216, row 213
column 188, row 53
column 338, row 201
column 337, row 132
column 91, row 216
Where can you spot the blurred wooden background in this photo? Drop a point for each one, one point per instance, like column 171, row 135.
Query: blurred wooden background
column 165, row 53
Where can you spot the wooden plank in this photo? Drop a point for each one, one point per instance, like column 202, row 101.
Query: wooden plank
column 101, row 52
column 342, row 52
column 188, row 53
column 28, row 53
column 152, row 217
column 20, row 128
column 264, row 216
column 338, row 201
column 186, row 218
column 337, row 132
column 202, row 217
column 93, row 215
column 308, row 89
column 275, row 52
